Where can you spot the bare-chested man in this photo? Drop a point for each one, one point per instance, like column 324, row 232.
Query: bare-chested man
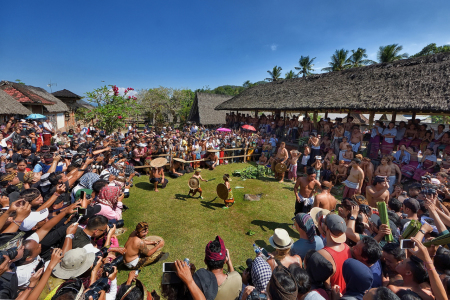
column 355, row 179
column 395, row 171
column 140, row 252
column 378, row 191
column 292, row 175
column 384, row 169
column 307, row 127
column 281, row 157
column 338, row 134
column 325, row 199
column 330, row 159
column 368, row 170
column 157, row 176
column 305, row 198
column 211, row 160
column 356, row 139
column 341, row 171
column 348, row 127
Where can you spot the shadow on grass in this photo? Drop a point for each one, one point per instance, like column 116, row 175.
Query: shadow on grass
column 271, row 226
column 182, row 197
column 291, row 188
column 211, row 205
column 145, row 186
column 265, row 245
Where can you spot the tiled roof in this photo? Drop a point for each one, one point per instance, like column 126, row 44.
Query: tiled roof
column 23, row 95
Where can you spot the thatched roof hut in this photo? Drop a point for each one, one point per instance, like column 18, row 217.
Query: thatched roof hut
column 202, row 110
column 10, row 106
column 418, row 85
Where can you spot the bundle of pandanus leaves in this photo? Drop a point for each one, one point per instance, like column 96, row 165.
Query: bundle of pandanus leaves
column 440, row 240
column 252, row 172
column 412, row 229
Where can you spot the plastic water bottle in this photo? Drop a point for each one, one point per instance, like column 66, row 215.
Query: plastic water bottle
column 187, row 261
column 257, row 250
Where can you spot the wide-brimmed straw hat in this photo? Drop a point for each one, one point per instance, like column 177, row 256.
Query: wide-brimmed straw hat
column 74, row 263
column 158, row 162
column 316, row 213
column 281, row 239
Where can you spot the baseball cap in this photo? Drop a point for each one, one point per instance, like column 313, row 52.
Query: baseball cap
column 337, row 228
column 306, row 223
column 34, row 218
column 412, row 204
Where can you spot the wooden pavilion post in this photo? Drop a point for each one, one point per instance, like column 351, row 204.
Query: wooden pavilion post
column 315, row 118
column 306, row 114
column 371, row 117
column 326, row 115
column 284, row 118
column 414, row 117
column 394, row 116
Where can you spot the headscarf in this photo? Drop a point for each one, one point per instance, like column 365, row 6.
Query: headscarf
column 261, row 273
column 213, row 256
column 358, row 278
column 88, row 179
column 276, row 290
column 109, row 195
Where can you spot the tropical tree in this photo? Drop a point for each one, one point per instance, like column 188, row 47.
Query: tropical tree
column 339, row 61
column 390, row 53
column 275, row 74
column 111, row 109
column 290, row 75
column 432, row 49
column 359, row 58
column 306, row 65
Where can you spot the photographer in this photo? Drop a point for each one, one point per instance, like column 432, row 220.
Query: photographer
column 110, row 200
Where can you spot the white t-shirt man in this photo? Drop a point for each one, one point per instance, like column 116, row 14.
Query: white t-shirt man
column 48, row 128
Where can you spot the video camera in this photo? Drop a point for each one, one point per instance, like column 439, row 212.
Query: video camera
column 97, row 287
column 108, row 268
column 11, row 253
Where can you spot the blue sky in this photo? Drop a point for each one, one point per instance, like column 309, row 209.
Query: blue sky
column 192, row 44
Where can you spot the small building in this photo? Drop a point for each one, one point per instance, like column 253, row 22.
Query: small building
column 9, row 107
column 38, row 101
column 202, row 110
column 74, row 102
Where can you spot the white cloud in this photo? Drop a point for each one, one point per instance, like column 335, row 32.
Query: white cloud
column 274, row 47
column 130, row 93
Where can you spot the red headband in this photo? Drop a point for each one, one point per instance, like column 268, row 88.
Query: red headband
column 214, row 256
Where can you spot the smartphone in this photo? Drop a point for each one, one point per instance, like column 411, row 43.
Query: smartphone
column 169, row 267
column 407, row 244
column 82, row 194
column 81, row 211
column 39, row 265
column 265, row 253
column 137, row 272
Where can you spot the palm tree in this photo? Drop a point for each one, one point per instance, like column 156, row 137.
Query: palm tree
column 390, row 53
column 306, row 65
column 275, row 74
column 290, row 75
column 339, row 61
column 358, row 58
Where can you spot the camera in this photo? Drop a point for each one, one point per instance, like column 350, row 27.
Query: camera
column 255, row 295
column 97, row 287
column 11, row 253
column 126, row 193
column 108, row 268
column 118, row 223
column 102, row 253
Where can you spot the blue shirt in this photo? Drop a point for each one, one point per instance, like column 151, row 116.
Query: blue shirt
column 376, row 271
column 302, row 246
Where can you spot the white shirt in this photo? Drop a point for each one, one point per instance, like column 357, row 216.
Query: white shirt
column 25, row 272
column 47, row 125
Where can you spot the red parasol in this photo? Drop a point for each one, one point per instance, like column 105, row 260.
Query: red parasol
column 248, row 127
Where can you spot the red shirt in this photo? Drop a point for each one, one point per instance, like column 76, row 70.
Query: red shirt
column 339, row 259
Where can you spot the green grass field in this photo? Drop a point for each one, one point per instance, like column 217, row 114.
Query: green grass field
column 188, row 224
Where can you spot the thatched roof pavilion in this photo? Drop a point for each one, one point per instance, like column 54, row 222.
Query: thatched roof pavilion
column 416, row 85
column 10, row 106
column 202, row 110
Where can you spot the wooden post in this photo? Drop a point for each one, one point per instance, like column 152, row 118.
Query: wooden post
column 394, row 116
column 171, row 159
column 326, row 115
column 245, row 153
column 306, row 114
column 414, row 117
column 315, row 118
column 285, row 118
column 371, row 117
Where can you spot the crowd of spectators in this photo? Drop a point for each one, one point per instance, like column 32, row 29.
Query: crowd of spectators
column 63, row 201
